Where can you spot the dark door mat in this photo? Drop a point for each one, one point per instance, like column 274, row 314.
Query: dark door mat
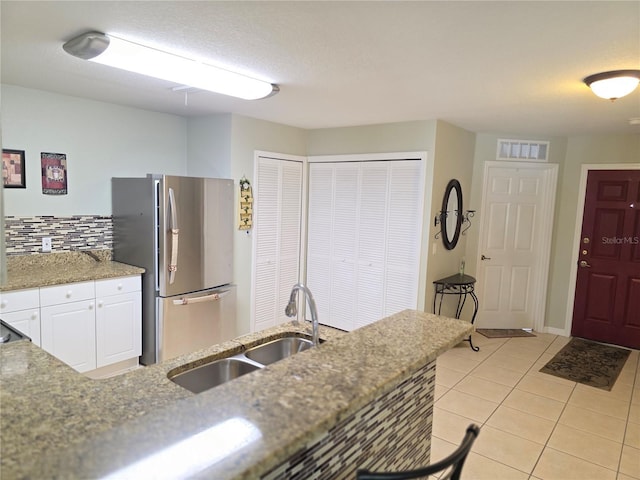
column 504, row 332
column 590, row 363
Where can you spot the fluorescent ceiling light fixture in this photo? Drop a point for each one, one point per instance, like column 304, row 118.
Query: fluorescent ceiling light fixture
column 133, row 57
column 614, row 84
column 194, row 454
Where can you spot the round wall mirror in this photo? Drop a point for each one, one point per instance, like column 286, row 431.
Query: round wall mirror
column 451, row 214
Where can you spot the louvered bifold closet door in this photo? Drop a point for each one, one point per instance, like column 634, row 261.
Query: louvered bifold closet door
column 363, row 244
column 372, row 228
column 404, row 228
column 319, row 237
column 277, row 223
column 344, row 237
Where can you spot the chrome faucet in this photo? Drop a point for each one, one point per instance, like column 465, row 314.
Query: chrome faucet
column 292, row 310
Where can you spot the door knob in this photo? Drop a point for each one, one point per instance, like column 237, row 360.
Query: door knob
column 584, row 264
column 485, row 258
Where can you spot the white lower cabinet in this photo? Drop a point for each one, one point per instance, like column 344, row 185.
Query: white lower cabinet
column 21, row 309
column 87, row 325
column 69, row 333
column 118, row 321
column 27, row 321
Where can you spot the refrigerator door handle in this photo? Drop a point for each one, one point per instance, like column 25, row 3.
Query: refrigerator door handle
column 173, row 263
column 205, row 298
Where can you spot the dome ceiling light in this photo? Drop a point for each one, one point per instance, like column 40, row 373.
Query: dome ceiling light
column 615, row 84
column 119, row 53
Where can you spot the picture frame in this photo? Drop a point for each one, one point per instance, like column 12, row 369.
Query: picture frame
column 13, row 168
column 54, row 173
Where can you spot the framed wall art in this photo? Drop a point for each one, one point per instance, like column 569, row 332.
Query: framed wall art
column 13, row 164
column 54, row 173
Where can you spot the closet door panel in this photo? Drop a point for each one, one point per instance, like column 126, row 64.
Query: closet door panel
column 342, row 301
column 400, row 291
column 289, row 236
column 264, row 296
column 266, row 232
column 373, row 213
column 319, row 282
column 370, row 295
column 345, row 213
column 405, row 208
column 277, row 224
column 319, row 238
column 404, row 235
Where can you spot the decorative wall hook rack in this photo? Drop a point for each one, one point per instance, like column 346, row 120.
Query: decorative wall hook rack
column 439, row 219
column 466, row 220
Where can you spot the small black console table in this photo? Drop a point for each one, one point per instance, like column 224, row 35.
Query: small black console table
column 460, row 285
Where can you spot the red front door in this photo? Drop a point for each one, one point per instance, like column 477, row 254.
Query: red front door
column 607, row 299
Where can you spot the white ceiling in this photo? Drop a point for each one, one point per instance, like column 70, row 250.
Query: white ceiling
column 501, row 67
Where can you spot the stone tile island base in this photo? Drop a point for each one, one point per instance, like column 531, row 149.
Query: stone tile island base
column 391, row 433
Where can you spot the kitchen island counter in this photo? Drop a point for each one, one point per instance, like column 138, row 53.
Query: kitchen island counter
column 58, row 423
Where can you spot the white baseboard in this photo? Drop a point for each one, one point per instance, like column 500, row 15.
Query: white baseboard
column 557, row 331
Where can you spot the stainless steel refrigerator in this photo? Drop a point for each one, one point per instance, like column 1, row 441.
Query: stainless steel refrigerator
column 180, row 230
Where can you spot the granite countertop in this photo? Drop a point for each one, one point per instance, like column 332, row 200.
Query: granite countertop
column 58, row 423
column 40, row 270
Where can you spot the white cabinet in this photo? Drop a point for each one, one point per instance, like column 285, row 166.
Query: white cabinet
column 21, row 309
column 87, row 325
column 68, row 324
column 69, row 333
column 118, row 320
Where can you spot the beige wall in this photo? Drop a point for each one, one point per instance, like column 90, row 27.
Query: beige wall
column 454, row 149
column 209, row 146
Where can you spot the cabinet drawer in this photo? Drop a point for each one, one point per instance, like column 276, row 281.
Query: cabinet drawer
column 116, row 286
column 70, row 292
column 19, row 300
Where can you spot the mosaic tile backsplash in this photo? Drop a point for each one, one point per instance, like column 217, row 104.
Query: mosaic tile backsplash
column 391, row 433
column 82, row 232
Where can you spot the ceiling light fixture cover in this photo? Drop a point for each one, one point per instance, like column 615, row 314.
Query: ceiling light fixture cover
column 614, row 84
column 116, row 52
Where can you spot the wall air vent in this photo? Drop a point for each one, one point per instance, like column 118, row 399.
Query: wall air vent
column 522, row 150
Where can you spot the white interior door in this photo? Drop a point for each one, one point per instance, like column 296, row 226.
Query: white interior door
column 515, row 242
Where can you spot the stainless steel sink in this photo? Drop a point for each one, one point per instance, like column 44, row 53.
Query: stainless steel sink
column 213, row 374
column 216, row 373
column 278, row 349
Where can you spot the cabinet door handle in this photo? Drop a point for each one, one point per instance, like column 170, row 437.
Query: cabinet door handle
column 100, row 304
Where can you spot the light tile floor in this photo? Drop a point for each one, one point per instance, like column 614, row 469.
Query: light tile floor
column 534, row 426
